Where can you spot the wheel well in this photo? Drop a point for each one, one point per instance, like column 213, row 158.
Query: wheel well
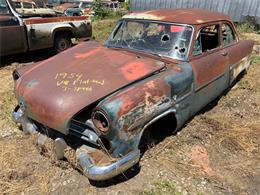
column 63, row 32
column 158, row 130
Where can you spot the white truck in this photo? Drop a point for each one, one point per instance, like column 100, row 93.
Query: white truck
column 26, row 7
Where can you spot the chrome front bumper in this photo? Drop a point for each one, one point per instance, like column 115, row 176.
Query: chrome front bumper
column 19, row 117
column 99, row 173
column 92, row 171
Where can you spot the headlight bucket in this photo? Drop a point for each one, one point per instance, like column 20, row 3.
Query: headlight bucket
column 101, row 121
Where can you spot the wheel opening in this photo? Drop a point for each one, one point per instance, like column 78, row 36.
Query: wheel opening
column 158, row 131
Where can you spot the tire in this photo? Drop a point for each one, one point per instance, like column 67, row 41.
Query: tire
column 62, row 42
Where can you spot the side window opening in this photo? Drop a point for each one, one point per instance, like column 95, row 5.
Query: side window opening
column 207, row 39
column 228, row 35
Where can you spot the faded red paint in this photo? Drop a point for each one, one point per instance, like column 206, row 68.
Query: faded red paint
column 132, row 71
column 87, row 54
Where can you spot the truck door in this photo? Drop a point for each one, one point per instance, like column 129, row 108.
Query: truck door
column 12, row 33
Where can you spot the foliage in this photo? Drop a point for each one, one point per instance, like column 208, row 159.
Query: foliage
column 126, row 5
column 102, row 29
column 102, row 12
column 255, row 59
column 249, row 26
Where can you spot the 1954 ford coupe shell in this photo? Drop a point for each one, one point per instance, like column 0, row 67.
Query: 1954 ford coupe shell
column 108, row 95
column 70, row 84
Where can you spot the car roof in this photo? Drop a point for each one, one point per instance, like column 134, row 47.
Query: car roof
column 184, row 16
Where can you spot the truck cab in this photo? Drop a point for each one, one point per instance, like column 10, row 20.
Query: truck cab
column 12, row 30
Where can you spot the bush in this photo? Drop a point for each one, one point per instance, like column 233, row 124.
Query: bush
column 102, row 12
column 248, row 26
column 126, row 5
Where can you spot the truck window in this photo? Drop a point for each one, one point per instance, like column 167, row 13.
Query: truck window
column 4, row 10
column 17, row 5
column 27, row 5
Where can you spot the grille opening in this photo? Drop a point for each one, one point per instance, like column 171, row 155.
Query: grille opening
column 106, row 143
column 85, row 113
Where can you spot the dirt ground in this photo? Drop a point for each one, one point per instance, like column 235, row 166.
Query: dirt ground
column 216, row 152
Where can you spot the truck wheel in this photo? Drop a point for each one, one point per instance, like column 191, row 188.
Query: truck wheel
column 62, row 42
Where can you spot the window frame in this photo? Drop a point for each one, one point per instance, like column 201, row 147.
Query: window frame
column 208, row 51
column 193, row 27
column 231, row 25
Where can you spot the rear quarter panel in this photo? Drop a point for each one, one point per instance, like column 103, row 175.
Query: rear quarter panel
column 239, row 57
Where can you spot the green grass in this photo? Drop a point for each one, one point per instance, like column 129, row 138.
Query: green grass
column 255, row 59
column 102, row 28
column 162, row 187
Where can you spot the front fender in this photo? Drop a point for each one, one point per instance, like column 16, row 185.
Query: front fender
column 130, row 109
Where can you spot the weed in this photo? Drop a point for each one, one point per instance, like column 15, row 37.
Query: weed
column 102, row 12
column 102, row 29
column 162, row 187
column 255, row 59
column 246, row 27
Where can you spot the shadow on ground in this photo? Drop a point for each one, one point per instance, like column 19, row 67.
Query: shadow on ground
column 28, row 57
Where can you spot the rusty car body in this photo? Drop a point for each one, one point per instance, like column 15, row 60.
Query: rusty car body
column 21, row 32
column 84, row 8
column 153, row 65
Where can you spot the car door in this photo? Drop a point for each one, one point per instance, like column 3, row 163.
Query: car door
column 12, row 33
column 238, row 51
column 210, row 65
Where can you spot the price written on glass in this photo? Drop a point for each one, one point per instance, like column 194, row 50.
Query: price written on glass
column 76, row 82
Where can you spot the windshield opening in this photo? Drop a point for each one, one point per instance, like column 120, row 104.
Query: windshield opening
column 162, row 39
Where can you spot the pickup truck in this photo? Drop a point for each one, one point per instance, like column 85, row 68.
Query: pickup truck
column 24, row 7
column 21, row 33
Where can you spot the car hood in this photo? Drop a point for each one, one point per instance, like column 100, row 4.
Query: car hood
column 54, row 90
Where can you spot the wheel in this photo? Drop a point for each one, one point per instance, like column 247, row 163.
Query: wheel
column 62, row 42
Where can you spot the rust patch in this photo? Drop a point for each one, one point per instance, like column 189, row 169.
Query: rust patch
column 87, row 54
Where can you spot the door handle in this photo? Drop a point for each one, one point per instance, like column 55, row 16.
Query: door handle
column 224, row 53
